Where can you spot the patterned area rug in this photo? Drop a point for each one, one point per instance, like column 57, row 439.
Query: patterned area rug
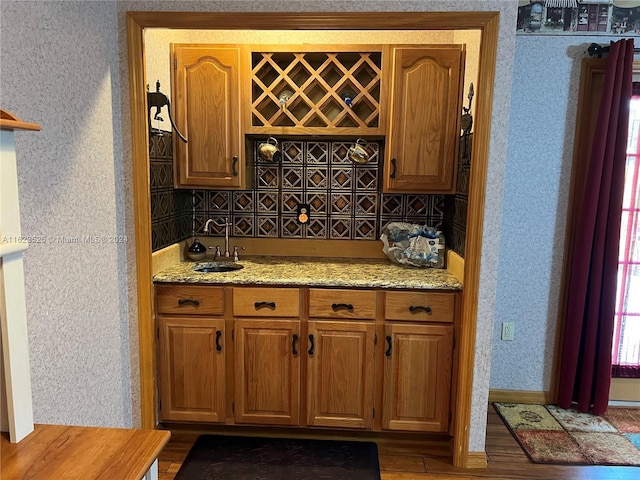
column 549, row 434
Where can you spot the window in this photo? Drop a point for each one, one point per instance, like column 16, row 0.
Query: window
column 626, row 334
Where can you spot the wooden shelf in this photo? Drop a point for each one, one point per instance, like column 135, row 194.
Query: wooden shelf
column 9, row 121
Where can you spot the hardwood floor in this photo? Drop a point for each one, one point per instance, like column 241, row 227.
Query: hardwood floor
column 505, row 457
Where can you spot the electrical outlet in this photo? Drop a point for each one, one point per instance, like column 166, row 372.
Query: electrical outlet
column 508, row 330
column 303, row 213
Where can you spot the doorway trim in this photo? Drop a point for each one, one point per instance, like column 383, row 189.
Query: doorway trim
column 486, row 22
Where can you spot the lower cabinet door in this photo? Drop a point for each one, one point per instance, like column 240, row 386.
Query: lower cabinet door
column 267, row 371
column 191, row 368
column 340, row 374
column 417, row 377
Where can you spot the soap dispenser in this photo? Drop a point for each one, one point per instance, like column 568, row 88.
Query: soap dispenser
column 196, row 251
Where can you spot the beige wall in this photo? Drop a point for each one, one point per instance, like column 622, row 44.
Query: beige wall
column 625, row 389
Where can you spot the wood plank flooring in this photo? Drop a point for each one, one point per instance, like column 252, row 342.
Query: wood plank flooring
column 506, row 460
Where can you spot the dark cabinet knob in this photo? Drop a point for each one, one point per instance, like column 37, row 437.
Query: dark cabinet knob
column 218, row 346
column 184, row 301
column 389, row 343
column 234, row 166
column 418, row 308
column 338, row 306
column 294, row 343
column 258, row 305
column 313, row 345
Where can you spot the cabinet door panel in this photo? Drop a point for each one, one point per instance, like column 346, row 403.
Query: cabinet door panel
column 417, row 377
column 192, row 369
column 206, row 97
column 425, row 126
column 340, row 374
column 267, row 371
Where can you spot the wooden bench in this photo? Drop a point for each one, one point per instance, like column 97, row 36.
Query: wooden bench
column 64, row 452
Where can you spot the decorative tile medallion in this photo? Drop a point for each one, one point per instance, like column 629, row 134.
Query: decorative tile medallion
column 340, row 228
column 267, row 226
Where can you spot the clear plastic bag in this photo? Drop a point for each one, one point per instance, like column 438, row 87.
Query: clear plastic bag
column 412, row 244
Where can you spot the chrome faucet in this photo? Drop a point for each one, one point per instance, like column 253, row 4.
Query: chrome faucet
column 226, row 226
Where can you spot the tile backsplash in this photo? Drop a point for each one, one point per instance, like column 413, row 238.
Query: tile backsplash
column 455, row 211
column 171, row 209
column 343, row 197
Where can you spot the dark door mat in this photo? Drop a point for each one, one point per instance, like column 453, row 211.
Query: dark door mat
column 220, row 457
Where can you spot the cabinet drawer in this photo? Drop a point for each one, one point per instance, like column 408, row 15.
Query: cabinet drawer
column 420, row 306
column 342, row 303
column 190, row 299
column 266, row 302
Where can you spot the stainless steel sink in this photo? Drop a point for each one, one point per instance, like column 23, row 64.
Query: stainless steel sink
column 211, row 267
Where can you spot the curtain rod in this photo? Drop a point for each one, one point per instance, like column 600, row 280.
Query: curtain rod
column 595, row 49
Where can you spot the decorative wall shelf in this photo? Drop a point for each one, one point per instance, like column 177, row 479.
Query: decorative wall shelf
column 317, row 92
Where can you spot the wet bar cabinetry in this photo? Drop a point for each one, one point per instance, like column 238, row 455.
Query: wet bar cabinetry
column 418, row 363
column 266, row 324
column 205, row 82
column 226, row 97
column 424, row 125
column 339, row 358
column 191, row 352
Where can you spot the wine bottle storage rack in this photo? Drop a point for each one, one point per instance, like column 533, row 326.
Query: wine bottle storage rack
column 321, row 92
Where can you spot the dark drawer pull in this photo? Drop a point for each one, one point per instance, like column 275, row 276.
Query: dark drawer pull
column 417, row 308
column 388, row 352
column 338, row 306
column 264, row 304
column 293, row 344
column 234, row 166
column 218, row 346
column 393, row 166
column 184, row 301
column 313, row 345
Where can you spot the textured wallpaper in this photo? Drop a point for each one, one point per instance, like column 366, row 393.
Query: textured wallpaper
column 537, row 180
column 60, row 69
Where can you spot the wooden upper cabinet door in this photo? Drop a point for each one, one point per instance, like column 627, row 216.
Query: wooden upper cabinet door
column 424, row 129
column 340, row 374
column 267, row 371
column 192, row 369
column 206, row 99
column 417, row 377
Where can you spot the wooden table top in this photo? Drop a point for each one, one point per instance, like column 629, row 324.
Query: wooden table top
column 59, row 451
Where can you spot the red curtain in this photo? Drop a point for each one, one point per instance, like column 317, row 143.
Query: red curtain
column 585, row 368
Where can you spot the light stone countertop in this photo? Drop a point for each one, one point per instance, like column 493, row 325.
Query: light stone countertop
column 316, row 272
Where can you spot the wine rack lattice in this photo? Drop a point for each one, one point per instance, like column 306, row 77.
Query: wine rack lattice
column 317, row 90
